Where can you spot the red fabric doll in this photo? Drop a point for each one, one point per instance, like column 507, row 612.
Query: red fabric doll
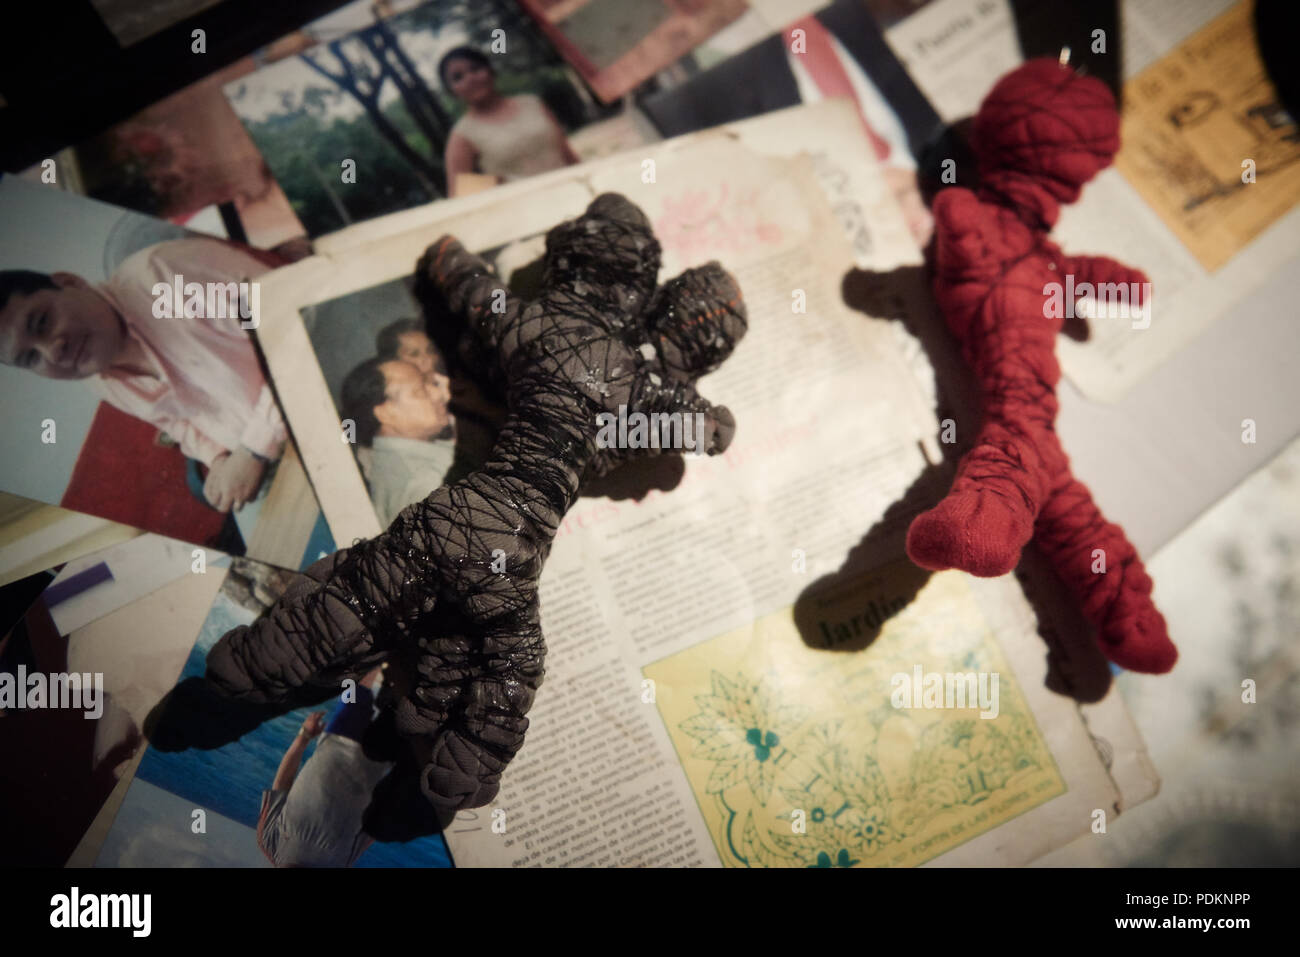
column 1040, row 135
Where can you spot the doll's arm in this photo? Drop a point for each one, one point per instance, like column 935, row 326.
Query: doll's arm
column 1102, row 269
column 1118, row 289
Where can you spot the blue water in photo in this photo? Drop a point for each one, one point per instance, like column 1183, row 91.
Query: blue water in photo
column 230, row 780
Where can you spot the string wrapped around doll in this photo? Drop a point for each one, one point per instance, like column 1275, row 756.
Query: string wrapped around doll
column 430, row 592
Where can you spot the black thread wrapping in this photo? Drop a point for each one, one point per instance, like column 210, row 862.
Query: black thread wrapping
column 600, row 335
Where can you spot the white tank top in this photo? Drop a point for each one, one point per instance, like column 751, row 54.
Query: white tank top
column 524, row 144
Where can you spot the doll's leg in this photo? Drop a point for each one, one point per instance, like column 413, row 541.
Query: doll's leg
column 311, row 639
column 1102, row 570
column 988, row 515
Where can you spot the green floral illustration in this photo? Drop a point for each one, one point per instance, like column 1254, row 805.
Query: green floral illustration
column 964, row 762
column 763, row 743
column 872, row 831
column 794, row 791
column 739, row 728
column 842, row 859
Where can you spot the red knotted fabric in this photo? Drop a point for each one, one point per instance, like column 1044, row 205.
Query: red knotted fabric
column 1040, row 135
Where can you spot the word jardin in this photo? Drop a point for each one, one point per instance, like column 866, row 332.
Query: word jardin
column 864, row 624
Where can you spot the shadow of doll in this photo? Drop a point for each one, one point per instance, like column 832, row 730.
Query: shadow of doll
column 1075, row 665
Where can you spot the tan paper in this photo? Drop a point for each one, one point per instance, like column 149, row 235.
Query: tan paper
column 1208, row 144
column 1201, row 260
column 1175, row 207
column 800, row 757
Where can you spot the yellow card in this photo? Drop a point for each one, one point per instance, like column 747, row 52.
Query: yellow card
column 1207, row 142
column 853, row 738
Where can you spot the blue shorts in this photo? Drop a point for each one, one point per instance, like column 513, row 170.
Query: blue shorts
column 351, row 718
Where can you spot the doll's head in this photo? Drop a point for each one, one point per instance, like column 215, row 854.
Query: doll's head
column 1041, row 133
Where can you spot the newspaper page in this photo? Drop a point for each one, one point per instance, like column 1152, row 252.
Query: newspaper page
column 697, row 717
column 1197, row 103
column 878, row 232
column 637, row 587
